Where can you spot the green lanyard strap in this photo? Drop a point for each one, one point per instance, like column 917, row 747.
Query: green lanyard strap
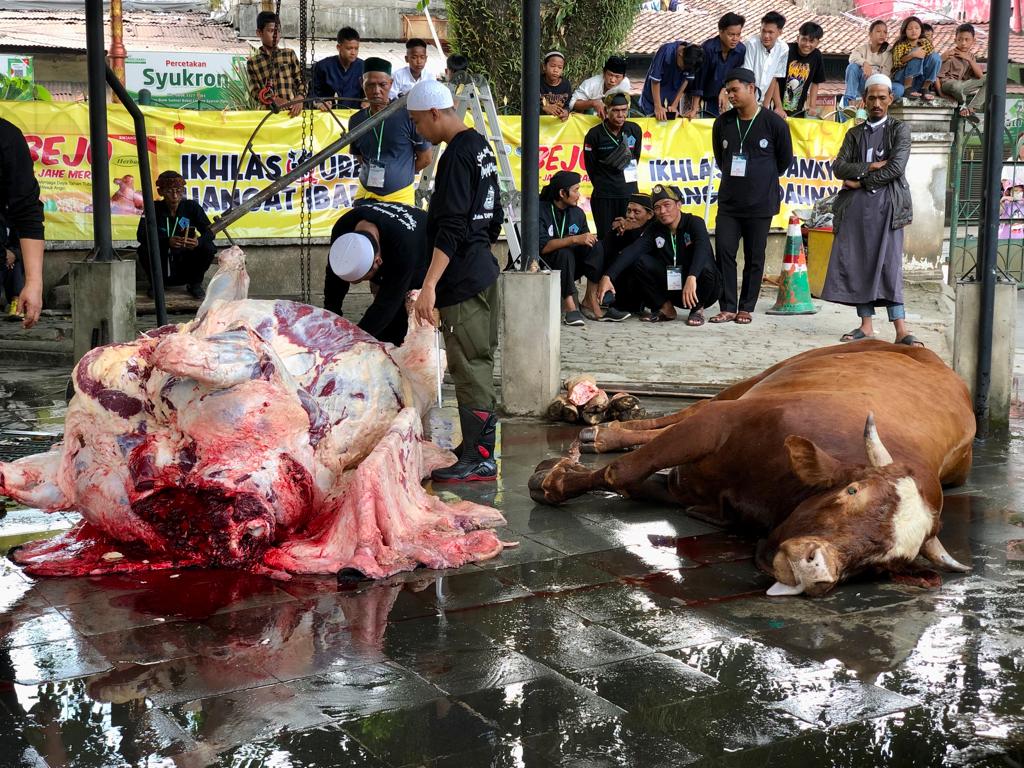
column 743, row 134
column 554, row 218
column 380, row 139
column 672, row 239
column 171, row 230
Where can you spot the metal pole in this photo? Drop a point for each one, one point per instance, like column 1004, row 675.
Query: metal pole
column 97, row 65
column 156, row 276
column 529, row 182
column 995, row 113
column 117, row 50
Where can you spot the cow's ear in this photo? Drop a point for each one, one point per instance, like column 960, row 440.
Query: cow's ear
column 812, row 466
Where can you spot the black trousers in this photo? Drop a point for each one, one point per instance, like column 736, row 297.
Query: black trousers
column 180, row 267
column 335, row 291
column 729, row 230
column 570, row 264
column 606, row 210
column 650, row 278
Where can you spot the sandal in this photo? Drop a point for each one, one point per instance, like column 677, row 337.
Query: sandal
column 855, row 335
column 910, row 341
column 695, row 318
column 723, row 317
column 655, row 317
column 743, row 318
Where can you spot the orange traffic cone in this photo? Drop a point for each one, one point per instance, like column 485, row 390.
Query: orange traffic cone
column 794, row 289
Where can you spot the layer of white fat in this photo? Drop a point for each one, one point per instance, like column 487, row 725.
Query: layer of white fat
column 911, row 524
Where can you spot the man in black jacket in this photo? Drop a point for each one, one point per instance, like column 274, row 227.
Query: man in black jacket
column 753, row 149
column 463, row 220
column 186, row 243
column 565, row 237
column 383, row 243
column 21, row 217
column 611, row 154
column 604, row 299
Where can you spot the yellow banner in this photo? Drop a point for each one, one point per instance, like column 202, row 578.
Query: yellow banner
column 208, row 149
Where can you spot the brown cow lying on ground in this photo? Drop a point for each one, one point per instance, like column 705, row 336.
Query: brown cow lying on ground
column 784, row 452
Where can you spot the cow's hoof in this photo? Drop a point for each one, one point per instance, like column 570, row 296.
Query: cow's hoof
column 547, row 484
column 537, row 490
column 588, row 437
column 547, row 464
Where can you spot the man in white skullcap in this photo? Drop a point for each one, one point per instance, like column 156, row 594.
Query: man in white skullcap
column 865, row 269
column 383, row 243
column 463, row 220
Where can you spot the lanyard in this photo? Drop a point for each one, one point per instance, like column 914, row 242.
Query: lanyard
column 171, row 230
column 617, row 141
column 380, row 139
column 554, row 218
column 672, row 239
column 743, row 134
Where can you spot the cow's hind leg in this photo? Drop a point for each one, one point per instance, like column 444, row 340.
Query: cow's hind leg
column 622, row 435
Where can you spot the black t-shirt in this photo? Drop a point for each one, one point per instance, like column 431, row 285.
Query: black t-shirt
column 465, row 217
column 801, row 71
column 20, row 207
column 556, row 94
column 769, row 150
column 188, row 214
column 403, row 253
column 600, row 146
column 692, row 252
column 556, row 224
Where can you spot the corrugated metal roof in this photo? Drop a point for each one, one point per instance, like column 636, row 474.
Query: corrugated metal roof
column 143, row 31
column 843, row 33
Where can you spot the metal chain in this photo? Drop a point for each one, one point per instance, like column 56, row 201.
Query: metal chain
column 306, row 186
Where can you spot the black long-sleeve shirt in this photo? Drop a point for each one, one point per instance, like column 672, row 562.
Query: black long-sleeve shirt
column 692, row 253
column 465, row 217
column 600, row 144
column 558, row 224
column 169, row 225
column 403, row 254
column 21, row 210
column 769, row 150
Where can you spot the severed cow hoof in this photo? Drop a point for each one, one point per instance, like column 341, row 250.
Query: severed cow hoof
column 537, row 491
column 546, row 484
column 547, row 464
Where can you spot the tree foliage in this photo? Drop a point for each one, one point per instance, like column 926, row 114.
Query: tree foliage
column 489, row 34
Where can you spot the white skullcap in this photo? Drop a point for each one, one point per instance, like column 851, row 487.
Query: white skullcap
column 878, row 79
column 351, row 256
column 429, row 94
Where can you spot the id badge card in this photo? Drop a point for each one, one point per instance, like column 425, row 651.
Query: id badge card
column 375, row 175
column 675, row 278
column 629, row 172
column 739, row 165
column 871, row 155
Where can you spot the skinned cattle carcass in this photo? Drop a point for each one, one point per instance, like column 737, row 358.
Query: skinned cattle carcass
column 267, row 435
column 795, row 452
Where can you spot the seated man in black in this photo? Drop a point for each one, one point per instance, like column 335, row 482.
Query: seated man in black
column 672, row 264
column 183, row 231
column 384, row 243
column 626, row 230
column 565, row 237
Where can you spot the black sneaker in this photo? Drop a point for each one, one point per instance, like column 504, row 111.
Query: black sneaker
column 613, row 315
column 574, row 318
column 608, row 299
column 196, row 290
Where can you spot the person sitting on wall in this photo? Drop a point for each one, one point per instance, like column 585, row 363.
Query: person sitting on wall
column 275, row 75
column 341, row 77
column 555, row 88
column 589, row 95
column 915, row 63
column 186, row 244
column 415, row 68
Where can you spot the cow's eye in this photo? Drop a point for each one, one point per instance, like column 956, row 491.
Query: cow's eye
column 852, row 491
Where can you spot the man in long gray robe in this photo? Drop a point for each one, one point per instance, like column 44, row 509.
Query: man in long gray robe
column 866, row 266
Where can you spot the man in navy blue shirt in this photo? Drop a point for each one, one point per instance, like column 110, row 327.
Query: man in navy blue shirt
column 721, row 54
column 341, row 75
column 674, row 71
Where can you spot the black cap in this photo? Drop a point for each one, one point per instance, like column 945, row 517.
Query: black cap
column 615, row 64
column 561, row 180
column 616, row 100
column 642, row 200
column 376, row 64
column 741, row 74
column 665, row 192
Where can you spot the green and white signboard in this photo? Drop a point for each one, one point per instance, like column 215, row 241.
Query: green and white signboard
column 192, row 80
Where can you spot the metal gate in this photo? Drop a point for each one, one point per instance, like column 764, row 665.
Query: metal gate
column 967, row 190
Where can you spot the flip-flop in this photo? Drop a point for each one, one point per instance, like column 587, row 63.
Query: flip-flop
column 723, row 317
column 695, row 319
column 910, row 341
column 855, row 335
column 743, row 318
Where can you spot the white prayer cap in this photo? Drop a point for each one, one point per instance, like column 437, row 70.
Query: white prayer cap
column 429, row 94
column 351, row 256
column 878, row 79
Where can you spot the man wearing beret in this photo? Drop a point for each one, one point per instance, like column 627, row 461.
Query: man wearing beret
column 385, row 244
column 392, row 153
column 753, row 149
column 589, row 95
column 611, row 155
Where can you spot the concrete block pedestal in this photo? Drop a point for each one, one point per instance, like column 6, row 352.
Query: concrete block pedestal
column 102, row 301
column 965, row 344
column 531, row 342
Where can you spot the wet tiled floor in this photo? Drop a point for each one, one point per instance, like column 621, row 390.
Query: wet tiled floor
column 616, row 634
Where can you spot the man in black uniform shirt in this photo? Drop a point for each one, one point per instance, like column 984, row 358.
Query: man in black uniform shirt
column 21, row 217
column 383, row 243
column 611, row 152
column 183, row 231
column 672, row 263
column 753, row 149
column 602, row 295
column 565, row 238
column 463, row 220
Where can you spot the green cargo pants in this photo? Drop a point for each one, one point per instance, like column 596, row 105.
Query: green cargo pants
column 470, row 331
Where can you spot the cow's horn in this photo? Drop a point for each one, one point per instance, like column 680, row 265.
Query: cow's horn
column 781, row 589
column 933, row 550
column 877, row 453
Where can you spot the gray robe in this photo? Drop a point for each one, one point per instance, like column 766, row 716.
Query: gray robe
column 866, row 265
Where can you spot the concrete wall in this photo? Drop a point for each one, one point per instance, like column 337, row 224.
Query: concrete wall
column 965, row 349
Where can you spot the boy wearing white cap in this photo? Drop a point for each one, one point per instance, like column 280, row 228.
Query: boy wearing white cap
column 463, row 220
column 383, row 243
